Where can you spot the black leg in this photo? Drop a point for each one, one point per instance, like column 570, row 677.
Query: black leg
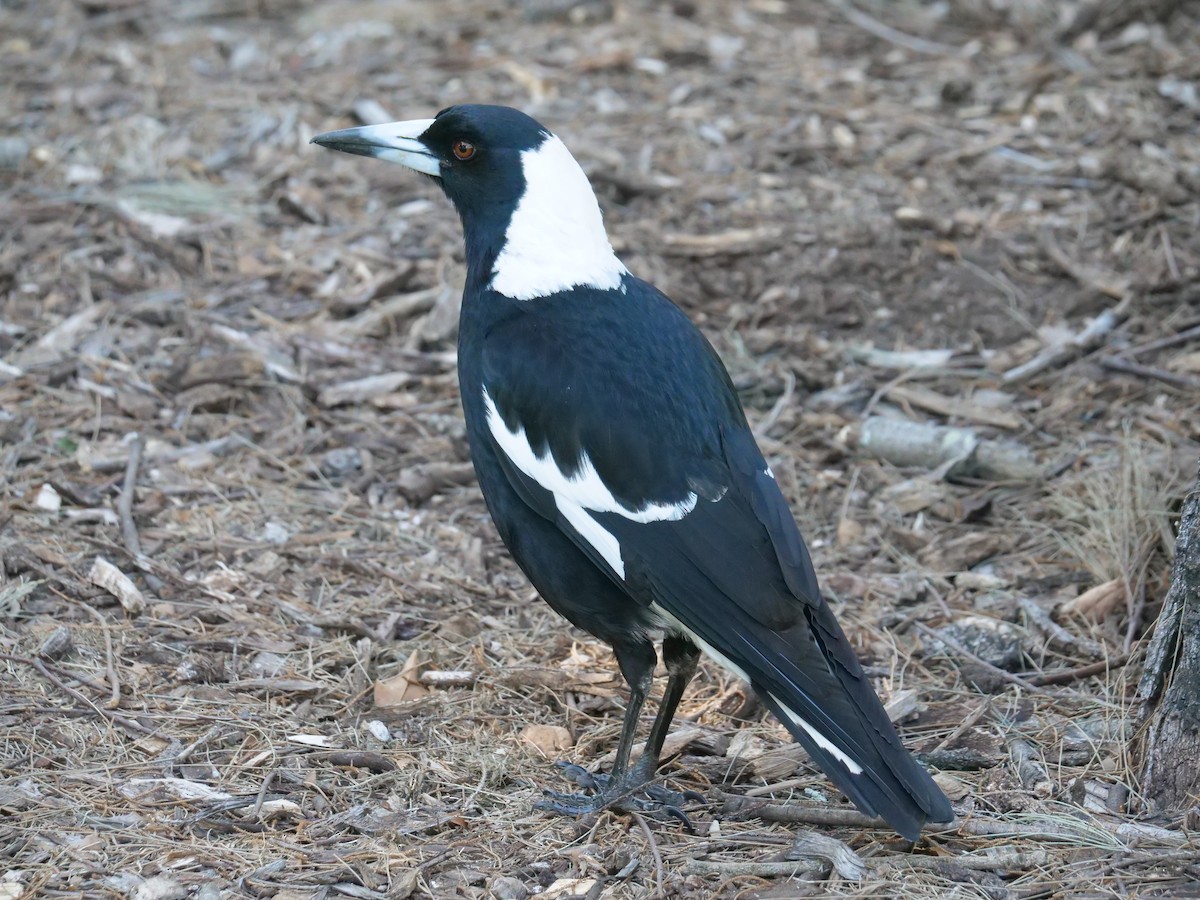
column 618, row 789
column 637, row 665
column 680, row 657
column 637, row 660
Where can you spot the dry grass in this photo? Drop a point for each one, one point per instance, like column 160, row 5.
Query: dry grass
column 177, row 263
column 1115, row 520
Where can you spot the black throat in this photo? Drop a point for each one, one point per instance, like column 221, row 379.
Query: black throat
column 484, row 236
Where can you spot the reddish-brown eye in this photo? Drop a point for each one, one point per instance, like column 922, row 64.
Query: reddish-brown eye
column 463, row 150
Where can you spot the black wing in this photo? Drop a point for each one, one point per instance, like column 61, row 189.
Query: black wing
column 618, row 422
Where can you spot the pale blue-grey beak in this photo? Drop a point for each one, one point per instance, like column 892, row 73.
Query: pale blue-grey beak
column 397, row 142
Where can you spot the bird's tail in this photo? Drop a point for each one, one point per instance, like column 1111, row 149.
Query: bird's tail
column 830, row 707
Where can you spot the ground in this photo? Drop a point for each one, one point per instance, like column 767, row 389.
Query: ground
column 258, row 636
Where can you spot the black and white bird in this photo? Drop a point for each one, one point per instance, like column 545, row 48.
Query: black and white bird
column 615, row 459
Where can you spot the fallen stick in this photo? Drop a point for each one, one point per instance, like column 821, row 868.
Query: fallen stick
column 810, row 845
column 953, row 407
column 114, row 681
column 772, row 869
column 961, row 450
column 125, row 503
column 893, row 35
column 991, row 859
column 654, row 852
column 129, row 532
column 399, row 308
column 1180, row 337
column 185, row 753
column 958, row 759
column 362, row 389
column 996, row 859
column 215, row 447
column 445, row 679
column 1058, row 354
column 358, row 759
column 1030, row 771
column 1060, row 829
column 796, row 813
column 1063, row 828
column 1066, row 676
column 735, row 242
column 1175, row 379
column 1055, row 633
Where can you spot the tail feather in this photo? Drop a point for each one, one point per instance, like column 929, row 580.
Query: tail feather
column 841, row 723
column 887, row 791
column 777, row 632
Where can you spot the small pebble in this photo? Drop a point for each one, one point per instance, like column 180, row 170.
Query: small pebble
column 48, row 499
column 13, row 152
column 505, row 887
column 57, row 645
column 275, row 533
column 341, row 461
column 379, row 731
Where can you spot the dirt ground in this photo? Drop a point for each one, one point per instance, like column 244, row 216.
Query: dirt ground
column 258, row 636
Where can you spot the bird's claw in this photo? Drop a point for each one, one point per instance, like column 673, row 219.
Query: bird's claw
column 589, row 781
column 564, row 804
column 657, row 801
column 667, row 797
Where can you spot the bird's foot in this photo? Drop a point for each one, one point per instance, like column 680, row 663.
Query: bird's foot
column 635, row 792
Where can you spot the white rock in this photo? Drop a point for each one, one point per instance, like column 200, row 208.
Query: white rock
column 379, row 731
column 48, row 499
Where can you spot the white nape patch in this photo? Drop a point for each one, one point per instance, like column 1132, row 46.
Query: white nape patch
column 398, row 143
column 556, row 239
column 767, row 471
column 581, row 493
column 823, row 742
column 674, row 626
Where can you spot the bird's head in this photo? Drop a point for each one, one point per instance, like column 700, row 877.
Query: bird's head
column 530, row 218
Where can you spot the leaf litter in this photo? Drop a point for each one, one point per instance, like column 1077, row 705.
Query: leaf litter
column 227, row 382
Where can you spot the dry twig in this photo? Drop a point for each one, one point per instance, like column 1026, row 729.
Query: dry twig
column 1175, row 379
column 890, row 34
column 110, row 665
column 652, row 844
column 125, row 504
column 1066, row 676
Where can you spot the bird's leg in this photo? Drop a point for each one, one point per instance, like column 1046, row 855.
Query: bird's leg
column 637, row 660
column 640, row 675
column 638, row 669
column 619, row 788
column 681, row 657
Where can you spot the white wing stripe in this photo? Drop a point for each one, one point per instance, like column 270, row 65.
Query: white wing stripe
column 584, row 488
column 593, row 532
column 577, row 496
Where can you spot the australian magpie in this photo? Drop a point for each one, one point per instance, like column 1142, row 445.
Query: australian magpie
column 615, row 459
